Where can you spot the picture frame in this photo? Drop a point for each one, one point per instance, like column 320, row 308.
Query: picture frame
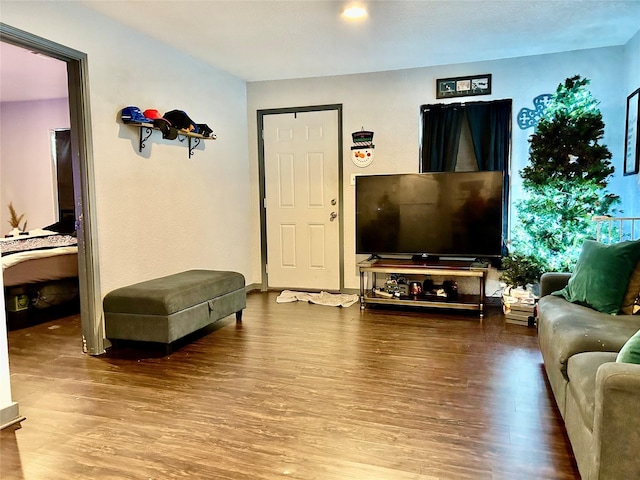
column 463, row 86
column 631, row 140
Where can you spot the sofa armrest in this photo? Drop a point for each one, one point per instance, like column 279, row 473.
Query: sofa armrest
column 553, row 281
column 616, row 424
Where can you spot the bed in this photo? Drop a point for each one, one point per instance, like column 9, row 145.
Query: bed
column 41, row 256
column 40, row 270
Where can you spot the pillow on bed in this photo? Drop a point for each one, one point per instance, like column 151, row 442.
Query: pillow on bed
column 66, row 225
column 601, row 276
column 36, row 232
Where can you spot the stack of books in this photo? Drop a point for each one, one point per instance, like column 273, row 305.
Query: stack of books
column 518, row 307
column 518, row 313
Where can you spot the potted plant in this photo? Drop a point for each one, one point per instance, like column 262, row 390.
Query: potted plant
column 519, row 270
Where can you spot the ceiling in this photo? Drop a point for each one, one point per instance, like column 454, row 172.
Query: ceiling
column 269, row 40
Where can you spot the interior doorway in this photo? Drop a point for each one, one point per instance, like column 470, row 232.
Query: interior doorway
column 82, row 167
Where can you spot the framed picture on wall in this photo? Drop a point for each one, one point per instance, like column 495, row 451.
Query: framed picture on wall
column 463, row 86
column 631, row 142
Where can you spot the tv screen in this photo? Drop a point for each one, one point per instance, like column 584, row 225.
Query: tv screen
column 452, row 214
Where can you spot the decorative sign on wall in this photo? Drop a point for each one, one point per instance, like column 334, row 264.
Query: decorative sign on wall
column 463, row 86
column 631, row 138
column 528, row 118
column 362, row 149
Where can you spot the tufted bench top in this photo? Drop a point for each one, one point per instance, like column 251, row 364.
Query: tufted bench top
column 173, row 293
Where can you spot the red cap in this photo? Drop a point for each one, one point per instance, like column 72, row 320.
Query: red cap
column 152, row 114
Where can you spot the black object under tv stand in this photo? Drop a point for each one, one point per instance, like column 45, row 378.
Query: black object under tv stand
column 423, row 267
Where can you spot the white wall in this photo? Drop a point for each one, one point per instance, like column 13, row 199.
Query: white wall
column 632, row 64
column 631, row 184
column 388, row 103
column 158, row 212
column 27, row 173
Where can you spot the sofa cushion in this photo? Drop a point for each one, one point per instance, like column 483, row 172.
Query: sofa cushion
column 601, row 276
column 630, row 351
column 582, row 369
column 565, row 329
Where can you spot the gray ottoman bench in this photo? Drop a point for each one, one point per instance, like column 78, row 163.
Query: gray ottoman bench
column 166, row 309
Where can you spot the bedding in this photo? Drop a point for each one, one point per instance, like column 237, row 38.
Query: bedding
column 40, row 256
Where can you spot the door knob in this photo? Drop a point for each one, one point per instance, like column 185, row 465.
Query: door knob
column 333, row 216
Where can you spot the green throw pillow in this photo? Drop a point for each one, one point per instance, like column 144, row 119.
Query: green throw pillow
column 630, row 351
column 601, row 275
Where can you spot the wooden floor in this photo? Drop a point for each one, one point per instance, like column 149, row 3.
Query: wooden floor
column 296, row 391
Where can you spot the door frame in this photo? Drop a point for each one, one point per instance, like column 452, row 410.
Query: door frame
column 91, row 317
column 262, row 187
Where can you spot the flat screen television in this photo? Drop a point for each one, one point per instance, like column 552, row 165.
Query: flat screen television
column 452, row 214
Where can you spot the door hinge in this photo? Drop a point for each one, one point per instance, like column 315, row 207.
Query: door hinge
column 266, row 268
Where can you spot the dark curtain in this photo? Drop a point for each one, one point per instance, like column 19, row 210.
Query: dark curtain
column 64, row 174
column 441, row 127
column 490, row 127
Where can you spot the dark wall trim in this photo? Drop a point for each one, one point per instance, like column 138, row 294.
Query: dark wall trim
column 261, row 180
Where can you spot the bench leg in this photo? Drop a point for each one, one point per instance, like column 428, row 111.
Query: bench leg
column 239, row 316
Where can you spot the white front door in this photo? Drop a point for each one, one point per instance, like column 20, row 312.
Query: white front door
column 301, row 200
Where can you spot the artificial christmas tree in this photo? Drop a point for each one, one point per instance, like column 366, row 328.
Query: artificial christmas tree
column 565, row 185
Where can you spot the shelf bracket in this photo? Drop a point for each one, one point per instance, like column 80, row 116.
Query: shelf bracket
column 193, row 145
column 144, row 137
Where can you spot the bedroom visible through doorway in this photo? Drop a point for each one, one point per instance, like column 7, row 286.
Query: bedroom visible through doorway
column 40, row 265
column 75, row 66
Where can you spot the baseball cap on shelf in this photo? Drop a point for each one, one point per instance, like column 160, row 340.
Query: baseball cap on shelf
column 152, row 113
column 179, row 119
column 205, row 131
column 161, row 123
column 133, row 115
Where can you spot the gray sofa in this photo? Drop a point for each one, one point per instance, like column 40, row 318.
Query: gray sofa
column 599, row 399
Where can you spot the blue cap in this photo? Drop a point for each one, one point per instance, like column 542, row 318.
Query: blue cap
column 134, row 115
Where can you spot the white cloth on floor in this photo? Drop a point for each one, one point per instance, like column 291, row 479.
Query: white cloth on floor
column 322, row 298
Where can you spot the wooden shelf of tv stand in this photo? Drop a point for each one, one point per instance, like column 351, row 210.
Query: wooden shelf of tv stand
column 446, row 268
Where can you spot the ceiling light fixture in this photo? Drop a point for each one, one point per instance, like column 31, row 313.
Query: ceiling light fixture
column 354, row 12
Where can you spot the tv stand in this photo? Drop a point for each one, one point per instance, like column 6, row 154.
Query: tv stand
column 423, row 268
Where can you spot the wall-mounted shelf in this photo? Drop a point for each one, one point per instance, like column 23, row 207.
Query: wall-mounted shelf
column 193, row 139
